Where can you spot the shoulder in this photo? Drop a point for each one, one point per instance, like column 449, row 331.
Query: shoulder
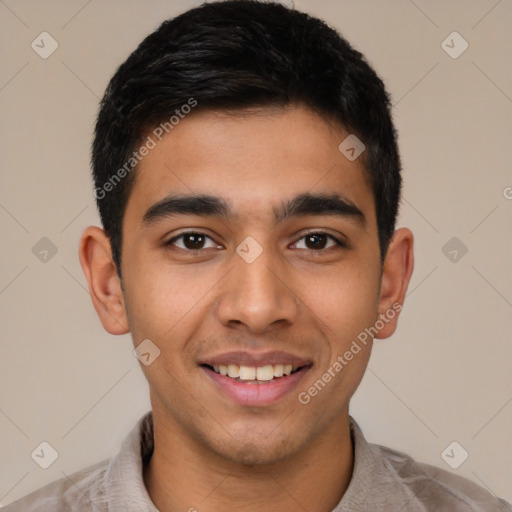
column 79, row 492
column 429, row 487
column 387, row 479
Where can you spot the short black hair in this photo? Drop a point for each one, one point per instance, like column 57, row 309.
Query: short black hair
column 237, row 54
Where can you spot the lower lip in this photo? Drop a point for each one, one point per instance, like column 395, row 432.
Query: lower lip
column 256, row 394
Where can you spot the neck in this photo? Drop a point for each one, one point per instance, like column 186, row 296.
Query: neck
column 184, row 475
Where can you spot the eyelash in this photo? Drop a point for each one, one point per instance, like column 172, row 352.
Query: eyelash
column 339, row 243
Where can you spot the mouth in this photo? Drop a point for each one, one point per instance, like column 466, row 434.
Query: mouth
column 255, row 381
column 254, row 374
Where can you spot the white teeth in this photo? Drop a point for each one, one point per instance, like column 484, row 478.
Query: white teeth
column 278, row 370
column 233, row 371
column 247, row 373
column 261, row 373
column 265, row 372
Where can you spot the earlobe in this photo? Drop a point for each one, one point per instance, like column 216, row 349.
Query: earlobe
column 104, row 285
column 396, row 275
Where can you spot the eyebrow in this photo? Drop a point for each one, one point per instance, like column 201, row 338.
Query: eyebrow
column 213, row 206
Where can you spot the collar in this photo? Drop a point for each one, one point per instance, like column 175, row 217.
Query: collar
column 124, row 481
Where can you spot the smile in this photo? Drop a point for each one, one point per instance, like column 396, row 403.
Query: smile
column 255, row 386
column 254, row 374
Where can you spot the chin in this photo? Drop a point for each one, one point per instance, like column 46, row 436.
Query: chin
column 254, row 453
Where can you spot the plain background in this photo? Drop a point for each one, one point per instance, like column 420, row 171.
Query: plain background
column 444, row 376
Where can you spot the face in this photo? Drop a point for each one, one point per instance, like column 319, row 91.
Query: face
column 250, row 245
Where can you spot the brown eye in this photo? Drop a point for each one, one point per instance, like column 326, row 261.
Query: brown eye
column 191, row 241
column 319, row 241
column 316, row 241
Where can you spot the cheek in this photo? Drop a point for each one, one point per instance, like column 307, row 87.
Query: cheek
column 165, row 303
column 154, row 301
column 345, row 300
column 346, row 305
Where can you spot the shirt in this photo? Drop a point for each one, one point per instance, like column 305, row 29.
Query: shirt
column 382, row 480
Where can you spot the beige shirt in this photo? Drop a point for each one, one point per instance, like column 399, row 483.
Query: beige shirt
column 382, row 480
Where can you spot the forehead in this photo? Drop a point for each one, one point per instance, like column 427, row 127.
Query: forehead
column 251, row 159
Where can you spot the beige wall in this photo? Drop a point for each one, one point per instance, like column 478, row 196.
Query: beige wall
column 444, row 376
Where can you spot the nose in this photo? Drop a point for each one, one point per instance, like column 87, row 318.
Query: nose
column 257, row 296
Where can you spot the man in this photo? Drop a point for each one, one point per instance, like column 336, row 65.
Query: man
column 248, row 180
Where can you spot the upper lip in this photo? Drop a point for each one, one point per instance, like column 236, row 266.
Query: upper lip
column 256, row 359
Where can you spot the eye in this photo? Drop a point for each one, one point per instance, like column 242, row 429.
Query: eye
column 192, row 241
column 318, row 241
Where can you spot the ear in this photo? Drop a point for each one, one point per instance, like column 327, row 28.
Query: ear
column 95, row 254
column 396, row 274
